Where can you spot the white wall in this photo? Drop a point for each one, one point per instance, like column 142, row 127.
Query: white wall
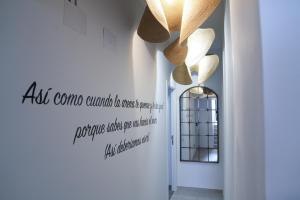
column 281, row 47
column 264, row 88
column 244, row 98
column 165, row 64
column 228, row 108
column 38, row 159
column 196, row 174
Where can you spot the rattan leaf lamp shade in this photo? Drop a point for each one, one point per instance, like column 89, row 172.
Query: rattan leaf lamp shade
column 151, row 30
column 198, row 45
column 176, row 53
column 162, row 17
column 206, row 67
column 178, row 15
column 195, row 13
column 182, row 75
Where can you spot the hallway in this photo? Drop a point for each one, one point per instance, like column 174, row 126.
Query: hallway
column 112, row 99
column 196, row 194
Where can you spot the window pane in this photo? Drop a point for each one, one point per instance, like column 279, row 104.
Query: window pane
column 193, row 104
column 184, row 103
column 213, row 142
column 184, row 128
column 185, row 155
column 193, row 129
column 200, row 155
column 202, row 128
column 185, row 141
column 213, row 128
column 193, row 152
column 188, row 116
column 193, row 115
column 212, row 103
column 212, row 116
column 202, row 103
column 202, row 116
column 184, row 116
column 194, row 141
column 203, row 142
column 213, row 155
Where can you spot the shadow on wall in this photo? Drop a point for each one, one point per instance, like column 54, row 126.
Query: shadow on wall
column 142, row 72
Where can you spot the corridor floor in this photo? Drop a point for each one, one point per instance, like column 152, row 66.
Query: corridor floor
column 183, row 193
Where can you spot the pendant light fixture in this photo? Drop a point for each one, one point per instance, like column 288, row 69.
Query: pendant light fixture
column 195, row 13
column 194, row 68
column 151, row 30
column 198, row 45
column 184, row 16
column 182, row 75
column 176, row 53
column 158, row 12
column 206, row 67
column 187, row 52
column 192, row 50
column 167, row 12
column 197, row 90
column 173, row 13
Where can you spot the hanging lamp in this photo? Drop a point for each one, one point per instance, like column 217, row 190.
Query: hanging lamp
column 196, row 90
column 150, row 29
column 184, row 16
column 182, row 75
column 176, row 53
column 198, row 45
column 195, row 13
column 206, row 67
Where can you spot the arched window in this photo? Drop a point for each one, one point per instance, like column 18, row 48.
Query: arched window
column 199, row 131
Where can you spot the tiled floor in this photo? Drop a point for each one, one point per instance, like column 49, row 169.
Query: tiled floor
column 197, row 194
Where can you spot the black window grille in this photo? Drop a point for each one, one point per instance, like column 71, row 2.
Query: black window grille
column 199, row 128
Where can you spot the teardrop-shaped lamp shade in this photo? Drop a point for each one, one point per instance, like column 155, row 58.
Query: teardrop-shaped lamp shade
column 206, row 67
column 157, row 10
column 195, row 13
column 176, row 53
column 198, row 45
column 196, row 90
column 194, row 68
column 151, row 30
column 182, row 75
column 173, row 11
